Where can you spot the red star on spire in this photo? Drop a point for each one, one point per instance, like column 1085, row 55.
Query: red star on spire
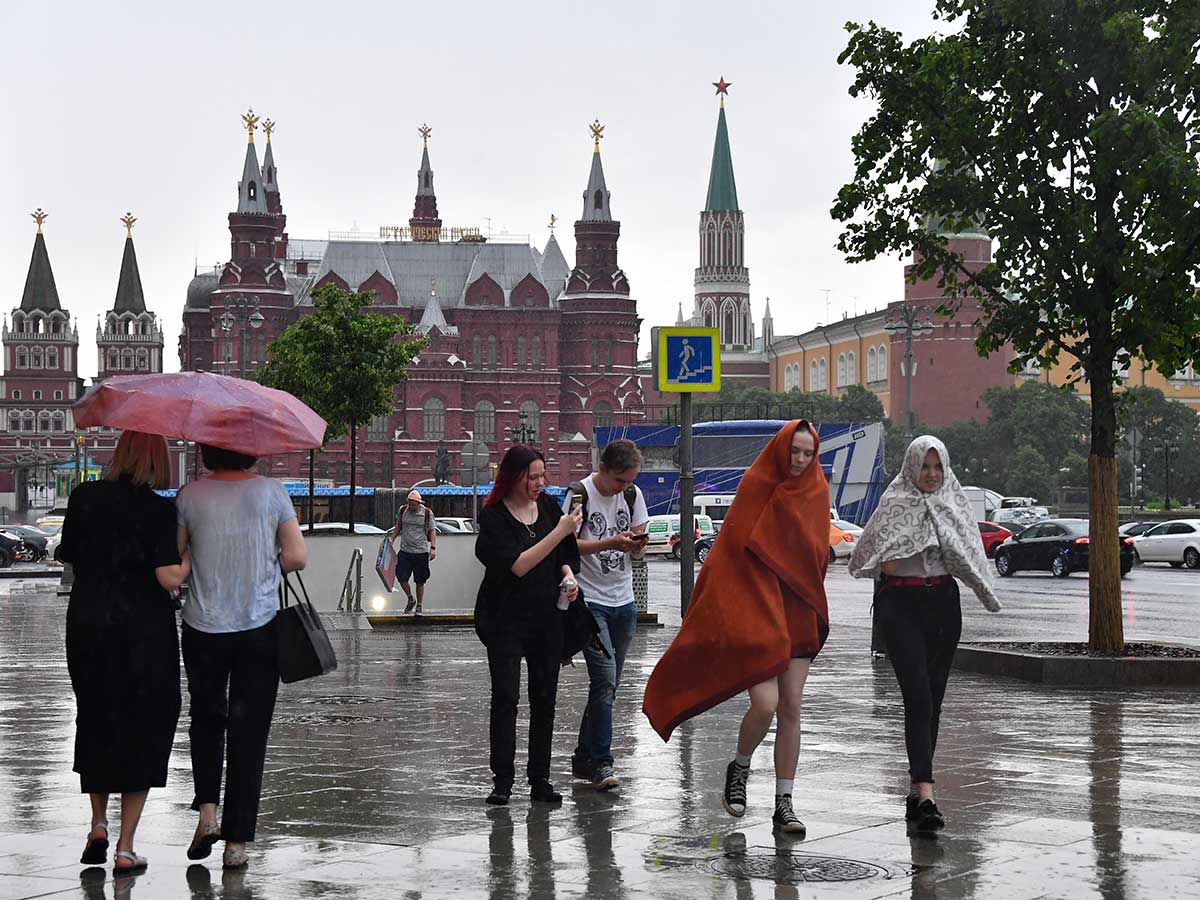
column 722, row 86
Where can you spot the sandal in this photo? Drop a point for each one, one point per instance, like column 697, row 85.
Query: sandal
column 202, row 843
column 136, row 863
column 233, row 858
column 96, row 851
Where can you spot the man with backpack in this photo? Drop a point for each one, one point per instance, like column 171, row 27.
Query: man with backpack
column 418, row 546
column 613, row 531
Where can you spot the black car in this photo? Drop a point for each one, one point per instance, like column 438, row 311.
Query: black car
column 9, row 547
column 1058, row 546
column 34, row 538
column 703, row 546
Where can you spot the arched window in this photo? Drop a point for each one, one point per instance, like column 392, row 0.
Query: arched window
column 114, row 359
column 58, row 422
column 813, row 375
column 485, row 421
column 37, row 359
column 598, row 200
column 433, row 425
column 727, row 325
column 881, row 364
column 537, row 351
column 16, row 395
column 14, row 419
column 533, row 417
column 143, row 360
column 602, row 415
column 127, row 358
column 252, row 191
column 28, row 422
column 491, row 351
column 823, row 375
column 841, row 373
column 520, row 351
column 851, row 368
column 44, row 420
column 51, row 357
column 871, row 371
column 22, row 358
column 477, row 352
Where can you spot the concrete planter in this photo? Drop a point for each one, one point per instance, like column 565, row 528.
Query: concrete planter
column 1058, row 668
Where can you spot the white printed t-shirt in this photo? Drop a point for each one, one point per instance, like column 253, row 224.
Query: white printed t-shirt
column 607, row 577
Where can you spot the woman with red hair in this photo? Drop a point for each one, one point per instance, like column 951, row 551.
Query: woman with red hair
column 527, row 546
column 758, row 616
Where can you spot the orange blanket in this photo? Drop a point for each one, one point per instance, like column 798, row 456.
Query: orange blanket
column 774, row 543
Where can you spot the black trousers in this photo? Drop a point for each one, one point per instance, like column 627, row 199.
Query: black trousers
column 232, row 681
column 543, row 658
column 921, row 627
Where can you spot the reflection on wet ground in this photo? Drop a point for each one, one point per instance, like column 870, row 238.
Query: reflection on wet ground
column 376, row 776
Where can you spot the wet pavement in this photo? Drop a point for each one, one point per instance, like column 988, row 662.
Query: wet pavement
column 377, row 773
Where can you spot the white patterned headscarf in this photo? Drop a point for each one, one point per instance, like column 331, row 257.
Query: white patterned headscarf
column 909, row 521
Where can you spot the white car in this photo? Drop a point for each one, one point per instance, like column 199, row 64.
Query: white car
column 456, row 524
column 1176, row 542
column 662, row 528
column 843, row 548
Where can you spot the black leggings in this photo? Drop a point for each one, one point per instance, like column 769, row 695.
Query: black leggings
column 921, row 626
column 232, row 680
column 542, row 657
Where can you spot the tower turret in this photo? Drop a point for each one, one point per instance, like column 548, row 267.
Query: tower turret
column 130, row 339
column 596, row 234
column 425, row 224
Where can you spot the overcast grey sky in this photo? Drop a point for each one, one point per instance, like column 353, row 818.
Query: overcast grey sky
column 118, row 106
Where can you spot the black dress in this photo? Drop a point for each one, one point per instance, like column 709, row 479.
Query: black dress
column 517, row 618
column 122, row 642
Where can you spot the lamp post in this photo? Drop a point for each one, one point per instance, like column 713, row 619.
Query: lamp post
column 523, row 432
column 910, row 321
column 1168, row 449
column 247, row 314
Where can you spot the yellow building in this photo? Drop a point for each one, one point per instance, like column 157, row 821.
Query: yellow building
column 1182, row 386
column 830, row 358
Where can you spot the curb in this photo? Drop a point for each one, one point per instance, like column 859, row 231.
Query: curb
column 1083, row 671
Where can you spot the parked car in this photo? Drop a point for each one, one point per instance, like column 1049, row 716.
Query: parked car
column 456, row 524
column 844, row 545
column 700, row 531
column 10, row 547
column 993, row 536
column 662, row 528
column 1176, row 542
column 703, row 546
column 1058, row 546
column 52, row 521
column 359, row 527
column 1133, row 529
column 1018, row 517
column 34, row 538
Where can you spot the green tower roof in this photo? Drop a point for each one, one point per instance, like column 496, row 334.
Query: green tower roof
column 722, row 189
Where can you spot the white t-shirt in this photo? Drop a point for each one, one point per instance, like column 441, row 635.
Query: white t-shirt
column 607, row 577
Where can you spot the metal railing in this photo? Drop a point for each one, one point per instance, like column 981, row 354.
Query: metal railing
column 351, row 599
column 668, row 414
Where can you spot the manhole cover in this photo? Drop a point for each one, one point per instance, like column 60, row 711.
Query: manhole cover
column 337, row 700
column 796, row 868
column 324, row 719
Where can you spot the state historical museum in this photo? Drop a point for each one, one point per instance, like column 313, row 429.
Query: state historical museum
column 520, row 343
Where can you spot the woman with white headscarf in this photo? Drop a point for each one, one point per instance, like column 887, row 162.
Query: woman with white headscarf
column 920, row 539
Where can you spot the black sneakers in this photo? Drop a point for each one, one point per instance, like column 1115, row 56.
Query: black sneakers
column 499, row 796
column 785, row 818
column 733, row 798
column 928, row 817
column 411, row 604
column 582, row 768
column 910, row 807
column 544, row 792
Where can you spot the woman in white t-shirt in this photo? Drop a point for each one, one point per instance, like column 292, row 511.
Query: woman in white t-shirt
column 241, row 531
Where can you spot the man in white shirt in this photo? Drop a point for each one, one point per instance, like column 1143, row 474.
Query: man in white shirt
column 614, row 513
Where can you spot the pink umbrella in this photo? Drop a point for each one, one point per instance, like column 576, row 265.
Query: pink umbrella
column 209, row 409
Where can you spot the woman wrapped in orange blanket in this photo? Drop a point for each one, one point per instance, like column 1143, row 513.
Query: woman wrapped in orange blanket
column 758, row 616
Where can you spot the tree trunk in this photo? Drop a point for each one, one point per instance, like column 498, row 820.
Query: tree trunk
column 353, row 457
column 1106, row 633
column 312, row 464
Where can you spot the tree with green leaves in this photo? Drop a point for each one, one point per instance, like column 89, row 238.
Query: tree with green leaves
column 738, row 401
column 345, row 362
column 1167, row 435
column 1069, row 128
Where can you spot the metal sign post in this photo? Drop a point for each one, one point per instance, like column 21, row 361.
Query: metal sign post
column 686, row 360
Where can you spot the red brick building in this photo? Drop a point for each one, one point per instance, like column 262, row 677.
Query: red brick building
column 520, row 343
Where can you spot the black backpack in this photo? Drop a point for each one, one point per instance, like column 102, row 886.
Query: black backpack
column 576, row 488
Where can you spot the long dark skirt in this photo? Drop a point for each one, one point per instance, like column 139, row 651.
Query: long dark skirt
column 123, row 656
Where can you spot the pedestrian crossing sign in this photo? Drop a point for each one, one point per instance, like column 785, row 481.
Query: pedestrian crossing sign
column 687, row 359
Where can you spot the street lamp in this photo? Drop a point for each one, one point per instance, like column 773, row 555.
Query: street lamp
column 910, row 321
column 1168, row 449
column 523, row 432
column 247, row 314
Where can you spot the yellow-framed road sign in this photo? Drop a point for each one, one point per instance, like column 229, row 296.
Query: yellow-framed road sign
column 687, row 360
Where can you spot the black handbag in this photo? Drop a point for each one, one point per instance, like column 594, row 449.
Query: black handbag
column 304, row 650
column 580, row 631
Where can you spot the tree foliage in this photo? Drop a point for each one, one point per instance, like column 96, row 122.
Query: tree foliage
column 344, row 361
column 738, row 401
column 1167, row 444
column 1070, row 129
